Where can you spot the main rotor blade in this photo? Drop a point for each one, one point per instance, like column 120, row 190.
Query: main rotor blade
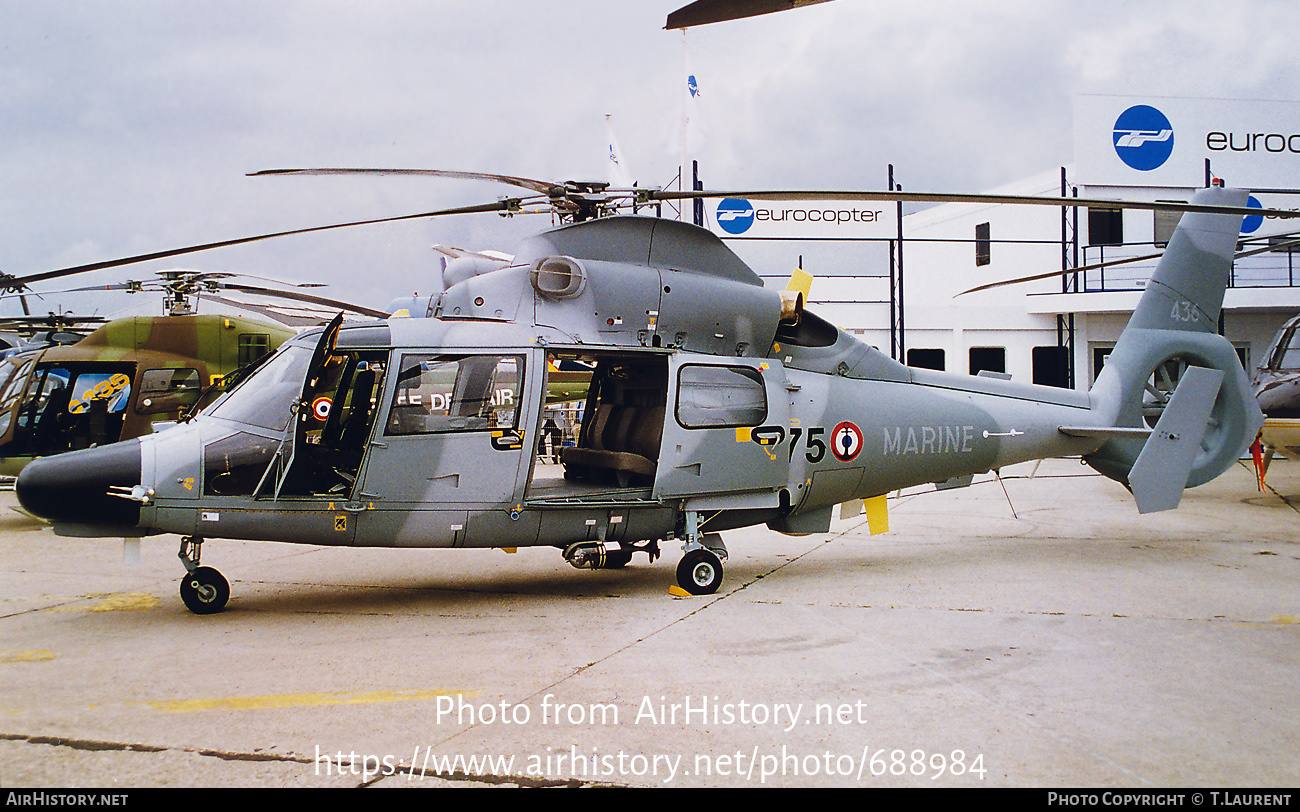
column 1125, row 261
column 23, row 281
column 1050, row 274
column 541, row 186
column 649, row 195
column 703, row 12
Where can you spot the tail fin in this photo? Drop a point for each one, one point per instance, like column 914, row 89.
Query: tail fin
column 1173, row 329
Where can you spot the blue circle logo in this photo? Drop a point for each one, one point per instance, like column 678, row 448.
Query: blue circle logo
column 734, row 215
column 1251, row 222
column 1143, row 137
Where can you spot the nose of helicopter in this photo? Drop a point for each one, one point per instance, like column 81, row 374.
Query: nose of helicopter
column 74, row 488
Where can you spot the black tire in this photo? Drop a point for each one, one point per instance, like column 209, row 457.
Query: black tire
column 700, row 572
column 205, row 591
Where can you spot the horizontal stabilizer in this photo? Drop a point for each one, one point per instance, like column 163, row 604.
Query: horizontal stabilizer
column 1161, row 471
column 1104, row 431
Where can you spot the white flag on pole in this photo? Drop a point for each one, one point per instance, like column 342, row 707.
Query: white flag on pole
column 617, row 173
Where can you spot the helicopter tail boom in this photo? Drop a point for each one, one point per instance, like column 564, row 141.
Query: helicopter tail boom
column 1170, row 345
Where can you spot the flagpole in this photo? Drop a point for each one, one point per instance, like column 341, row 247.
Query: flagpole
column 681, row 175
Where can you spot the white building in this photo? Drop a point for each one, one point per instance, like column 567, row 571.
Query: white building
column 1126, row 148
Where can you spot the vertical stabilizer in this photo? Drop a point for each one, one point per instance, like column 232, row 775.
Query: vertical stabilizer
column 1186, row 290
column 1174, row 329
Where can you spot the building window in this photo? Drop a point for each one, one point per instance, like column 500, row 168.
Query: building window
column 983, row 245
column 1105, row 227
column 1052, row 366
column 1166, row 222
column 1099, row 356
column 925, row 359
column 993, row 359
column 1284, row 244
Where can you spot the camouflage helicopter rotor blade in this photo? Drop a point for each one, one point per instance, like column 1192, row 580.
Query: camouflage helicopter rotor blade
column 304, row 297
column 289, row 314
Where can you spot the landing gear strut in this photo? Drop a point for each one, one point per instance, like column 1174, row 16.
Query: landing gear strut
column 700, row 570
column 203, row 589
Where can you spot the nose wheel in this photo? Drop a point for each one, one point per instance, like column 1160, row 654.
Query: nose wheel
column 203, row 589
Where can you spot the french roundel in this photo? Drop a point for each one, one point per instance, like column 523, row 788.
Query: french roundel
column 846, row 441
column 320, row 408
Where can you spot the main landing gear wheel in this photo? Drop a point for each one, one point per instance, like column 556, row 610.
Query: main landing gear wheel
column 205, row 591
column 700, row 572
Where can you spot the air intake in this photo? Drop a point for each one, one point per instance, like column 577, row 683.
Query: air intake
column 558, row 277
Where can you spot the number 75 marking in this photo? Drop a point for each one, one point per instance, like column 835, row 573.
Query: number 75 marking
column 816, row 446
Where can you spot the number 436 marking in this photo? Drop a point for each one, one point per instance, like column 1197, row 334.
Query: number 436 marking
column 1184, row 311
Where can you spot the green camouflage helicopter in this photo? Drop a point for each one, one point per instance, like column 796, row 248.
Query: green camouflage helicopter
column 133, row 374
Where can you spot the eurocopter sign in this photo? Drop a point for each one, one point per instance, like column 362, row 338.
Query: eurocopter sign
column 1160, row 141
column 737, row 218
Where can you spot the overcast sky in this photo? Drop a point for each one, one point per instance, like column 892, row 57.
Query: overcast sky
column 128, row 127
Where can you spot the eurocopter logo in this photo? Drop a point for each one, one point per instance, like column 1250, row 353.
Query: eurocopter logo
column 1143, row 137
column 735, row 216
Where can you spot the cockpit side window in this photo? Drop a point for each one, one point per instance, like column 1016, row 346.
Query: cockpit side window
column 1290, row 356
column 450, row 393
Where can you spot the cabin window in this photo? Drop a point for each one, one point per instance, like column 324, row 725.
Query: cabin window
column 450, row 393
column 253, row 346
column 166, row 390
column 1288, row 352
column 13, row 390
column 73, row 406
column 719, row 397
column 234, row 465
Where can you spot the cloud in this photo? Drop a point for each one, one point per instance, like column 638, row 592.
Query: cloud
column 130, row 128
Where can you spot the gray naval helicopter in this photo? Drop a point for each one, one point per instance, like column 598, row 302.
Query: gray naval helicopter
column 713, row 403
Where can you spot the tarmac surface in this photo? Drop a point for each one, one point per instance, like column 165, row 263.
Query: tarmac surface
column 1033, row 631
